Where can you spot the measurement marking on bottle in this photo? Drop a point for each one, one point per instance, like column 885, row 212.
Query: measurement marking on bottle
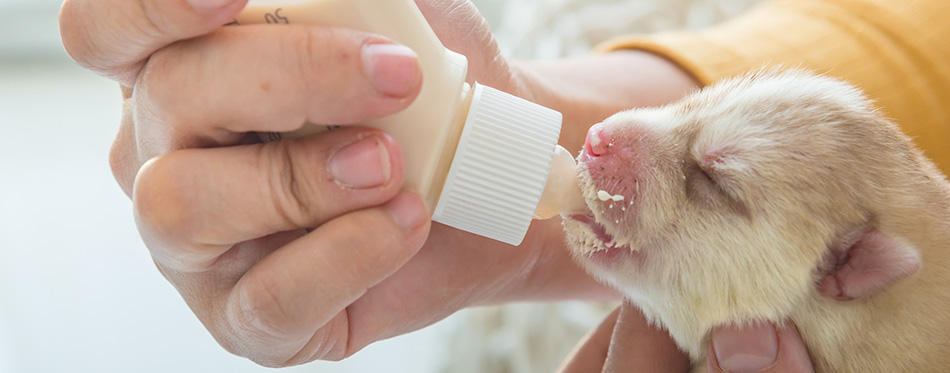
column 276, row 17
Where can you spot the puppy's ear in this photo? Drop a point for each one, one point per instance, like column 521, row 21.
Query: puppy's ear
column 865, row 262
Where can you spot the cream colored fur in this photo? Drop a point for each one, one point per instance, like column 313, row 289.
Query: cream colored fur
column 537, row 337
column 810, row 160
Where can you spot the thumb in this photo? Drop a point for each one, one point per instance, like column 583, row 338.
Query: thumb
column 760, row 347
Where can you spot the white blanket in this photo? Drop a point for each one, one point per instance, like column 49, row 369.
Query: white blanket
column 558, row 28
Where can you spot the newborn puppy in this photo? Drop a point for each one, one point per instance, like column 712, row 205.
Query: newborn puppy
column 774, row 196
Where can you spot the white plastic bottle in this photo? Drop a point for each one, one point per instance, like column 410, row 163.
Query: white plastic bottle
column 479, row 157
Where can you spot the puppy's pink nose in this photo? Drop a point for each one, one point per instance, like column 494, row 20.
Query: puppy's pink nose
column 597, row 142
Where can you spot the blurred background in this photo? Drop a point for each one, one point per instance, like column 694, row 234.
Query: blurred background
column 78, row 291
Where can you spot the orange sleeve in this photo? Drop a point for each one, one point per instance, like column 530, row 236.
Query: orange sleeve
column 898, row 51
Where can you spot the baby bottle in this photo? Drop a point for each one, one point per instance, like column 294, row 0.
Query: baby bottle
column 479, row 157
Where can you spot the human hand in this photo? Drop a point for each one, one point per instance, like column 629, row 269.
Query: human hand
column 761, row 347
column 226, row 218
column 626, row 342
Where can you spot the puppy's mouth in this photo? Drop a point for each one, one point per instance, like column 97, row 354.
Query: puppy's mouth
column 600, row 248
column 599, row 231
column 608, row 200
column 606, row 217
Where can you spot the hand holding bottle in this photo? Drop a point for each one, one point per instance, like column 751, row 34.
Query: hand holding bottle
column 224, row 217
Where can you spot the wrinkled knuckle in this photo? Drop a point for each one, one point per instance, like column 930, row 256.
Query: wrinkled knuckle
column 162, row 198
column 294, row 181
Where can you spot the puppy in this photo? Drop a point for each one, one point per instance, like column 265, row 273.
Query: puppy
column 773, row 196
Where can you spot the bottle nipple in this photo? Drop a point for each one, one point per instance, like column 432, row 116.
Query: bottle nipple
column 561, row 193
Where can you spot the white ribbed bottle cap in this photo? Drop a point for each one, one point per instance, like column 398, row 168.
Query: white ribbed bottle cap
column 500, row 167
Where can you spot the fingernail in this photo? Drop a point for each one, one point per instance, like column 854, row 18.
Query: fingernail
column 407, row 210
column 208, row 4
column 362, row 164
column 392, row 68
column 751, row 349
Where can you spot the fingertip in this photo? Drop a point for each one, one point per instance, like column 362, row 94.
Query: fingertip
column 393, row 69
column 637, row 345
column 209, row 5
column 793, row 353
column 590, row 354
column 750, row 348
column 217, row 13
column 761, row 347
column 408, row 212
column 364, row 163
column 411, row 215
column 396, row 160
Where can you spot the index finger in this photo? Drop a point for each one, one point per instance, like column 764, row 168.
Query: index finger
column 590, row 354
column 637, row 346
column 115, row 37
